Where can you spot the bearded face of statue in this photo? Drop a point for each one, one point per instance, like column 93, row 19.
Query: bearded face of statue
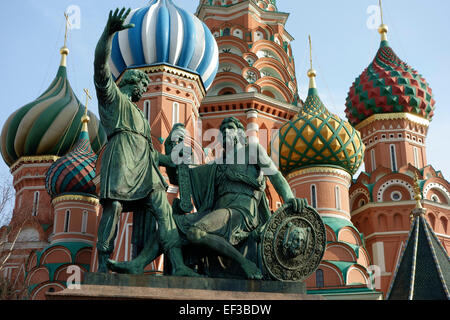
column 229, row 134
column 138, row 89
column 134, row 84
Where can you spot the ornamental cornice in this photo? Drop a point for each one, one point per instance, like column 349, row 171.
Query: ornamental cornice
column 171, row 70
column 393, row 116
column 75, row 197
column 32, row 159
column 330, row 170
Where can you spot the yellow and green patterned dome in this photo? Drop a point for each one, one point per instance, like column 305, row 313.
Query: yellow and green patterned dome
column 318, row 137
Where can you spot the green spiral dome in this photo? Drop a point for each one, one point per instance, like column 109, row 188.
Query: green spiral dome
column 50, row 125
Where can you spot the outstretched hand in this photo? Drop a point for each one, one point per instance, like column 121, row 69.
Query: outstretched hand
column 116, row 21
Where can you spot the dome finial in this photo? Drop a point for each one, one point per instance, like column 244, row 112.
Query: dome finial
column 383, row 29
column 85, row 118
column 311, row 72
column 64, row 50
column 417, row 194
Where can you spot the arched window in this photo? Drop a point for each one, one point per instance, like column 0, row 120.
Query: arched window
column 372, row 158
column 337, row 193
column 175, row 113
column 362, row 202
column 67, row 221
column 444, row 223
column 382, row 222
column 314, row 196
column 432, row 220
column 416, row 157
column 238, row 33
column 435, row 198
column 398, row 224
column 393, row 158
column 147, row 109
column 35, row 204
column 84, row 221
column 319, row 278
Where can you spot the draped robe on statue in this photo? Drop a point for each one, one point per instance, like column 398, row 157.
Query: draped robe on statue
column 207, row 195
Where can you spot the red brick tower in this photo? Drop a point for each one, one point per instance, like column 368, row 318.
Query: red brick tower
column 392, row 106
column 256, row 80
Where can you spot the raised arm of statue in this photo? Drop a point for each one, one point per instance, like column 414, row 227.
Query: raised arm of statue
column 102, row 72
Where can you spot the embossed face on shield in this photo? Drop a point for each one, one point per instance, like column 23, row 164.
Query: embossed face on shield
column 295, row 242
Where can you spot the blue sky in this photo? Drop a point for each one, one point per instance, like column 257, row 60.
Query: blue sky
column 343, row 46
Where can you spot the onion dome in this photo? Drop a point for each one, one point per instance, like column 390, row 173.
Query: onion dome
column 388, row 85
column 74, row 173
column 165, row 33
column 315, row 137
column 50, row 125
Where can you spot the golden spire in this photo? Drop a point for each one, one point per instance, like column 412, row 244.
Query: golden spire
column 64, row 50
column 418, row 210
column 85, row 118
column 311, row 72
column 417, row 193
column 383, row 29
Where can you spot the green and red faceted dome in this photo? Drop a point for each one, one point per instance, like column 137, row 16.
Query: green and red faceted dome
column 388, row 85
column 74, row 173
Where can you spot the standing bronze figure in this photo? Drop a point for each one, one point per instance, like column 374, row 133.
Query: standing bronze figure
column 130, row 179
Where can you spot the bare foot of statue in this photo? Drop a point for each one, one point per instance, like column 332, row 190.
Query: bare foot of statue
column 125, row 267
column 251, row 270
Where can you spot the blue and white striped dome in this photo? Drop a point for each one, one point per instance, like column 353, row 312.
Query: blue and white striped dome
column 165, row 33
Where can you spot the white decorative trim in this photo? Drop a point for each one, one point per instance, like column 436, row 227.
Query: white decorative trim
column 28, row 176
column 15, row 171
column 446, row 236
column 74, row 240
column 252, row 126
column 297, row 180
column 236, row 98
column 356, row 193
column 331, row 215
column 335, row 269
column 378, row 255
column 76, row 233
column 396, row 193
column 386, row 233
column 53, row 284
column 360, row 271
column 394, row 182
column 342, row 246
column 75, row 205
column 435, row 185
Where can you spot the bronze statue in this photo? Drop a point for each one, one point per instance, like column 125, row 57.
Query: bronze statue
column 231, row 204
column 130, row 179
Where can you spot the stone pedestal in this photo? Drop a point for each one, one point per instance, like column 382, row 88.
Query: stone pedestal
column 102, row 286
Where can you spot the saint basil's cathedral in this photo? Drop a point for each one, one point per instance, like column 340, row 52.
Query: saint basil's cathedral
column 387, row 228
